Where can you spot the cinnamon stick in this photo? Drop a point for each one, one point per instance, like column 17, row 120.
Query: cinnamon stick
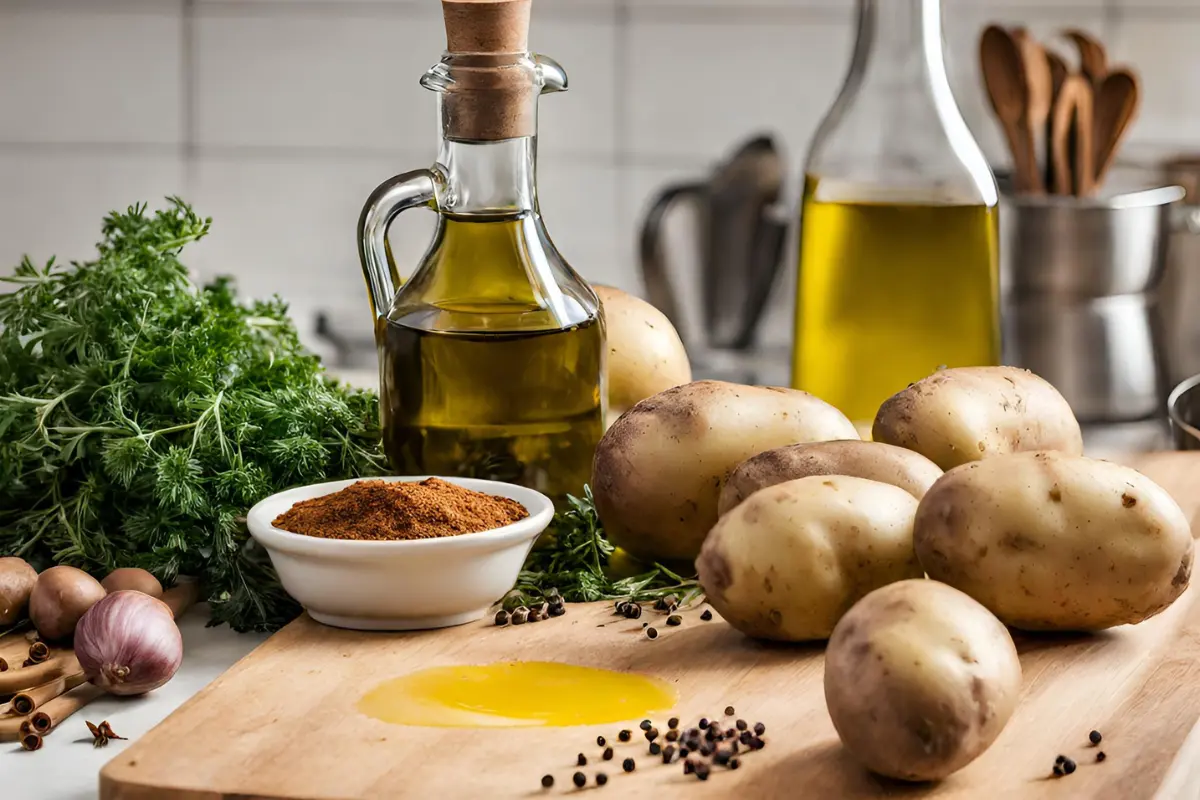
column 3, row 665
column 180, row 597
column 27, row 702
column 31, row 741
column 50, row 715
column 39, row 652
column 26, row 678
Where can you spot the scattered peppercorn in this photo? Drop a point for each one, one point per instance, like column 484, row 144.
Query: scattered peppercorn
column 734, row 763
column 651, row 633
column 580, row 779
column 607, row 754
column 729, row 712
column 707, row 615
column 668, row 753
column 746, row 738
column 688, row 767
column 645, row 725
column 1094, row 737
column 672, row 736
column 645, row 624
column 733, row 746
column 601, row 779
column 1060, row 759
column 1068, row 766
column 1058, row 770
column 628, row 765
column 730, row 734
column 520, row 615
column 721, row 757
column 702, row 770
column 600, row 742
column 759, row 729
column 502, row 619
column 633, row 611
column 547, row 781
column 581, row 760
column 557, row 610
column 703, row 723
column 684, row 752
column 674, row 619
column 1101, row 756
column 706, row 750
column 651, row 734
column 625, row 736
column 655, row 749
column 741, row 725
column 673, row 723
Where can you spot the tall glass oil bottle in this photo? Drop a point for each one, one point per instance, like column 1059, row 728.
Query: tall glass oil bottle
column 492, row 353
column 898, row 254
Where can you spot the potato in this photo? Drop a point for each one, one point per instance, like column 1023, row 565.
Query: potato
column 791, row 559
column 919, row 680
column 1055, row 542
column 645, row 354
column 659, row 469
column 910, row 471
column 960, row 415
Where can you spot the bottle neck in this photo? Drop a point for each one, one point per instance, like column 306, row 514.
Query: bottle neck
column 488, row 178
column 900, row 41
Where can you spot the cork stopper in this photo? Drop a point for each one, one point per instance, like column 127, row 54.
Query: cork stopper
column 494, row 89
column 486, row 26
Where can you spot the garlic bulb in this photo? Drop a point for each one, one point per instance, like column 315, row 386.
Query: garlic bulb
column 128, row 643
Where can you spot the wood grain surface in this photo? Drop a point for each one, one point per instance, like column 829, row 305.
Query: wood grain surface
column 282, row 723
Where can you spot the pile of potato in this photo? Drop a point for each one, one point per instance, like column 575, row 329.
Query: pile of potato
column 801, row 531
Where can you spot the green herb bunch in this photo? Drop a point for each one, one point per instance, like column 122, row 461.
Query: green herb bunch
column 575, row 563
column 141, row 416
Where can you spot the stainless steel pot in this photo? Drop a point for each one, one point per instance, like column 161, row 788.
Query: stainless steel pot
column 1104, row 355
column 1183, row 408
column 1086, row 248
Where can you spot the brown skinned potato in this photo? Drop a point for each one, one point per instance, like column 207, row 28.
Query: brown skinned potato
column 59, row 598
column 956, row 416
column 659, row 469
column 138, row 580
column 905, row 469
column 920, row 680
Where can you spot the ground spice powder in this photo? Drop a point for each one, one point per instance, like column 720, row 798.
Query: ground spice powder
column 389, row 510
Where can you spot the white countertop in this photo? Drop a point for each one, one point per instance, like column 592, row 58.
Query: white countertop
column 68, row 767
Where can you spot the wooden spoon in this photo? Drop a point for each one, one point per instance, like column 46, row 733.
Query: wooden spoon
column 1093, row 58
column 1058, row 75
column 1117, row 100
column 1083, row 140
column 1060, row 134
column 1004, row 77
column 1039, row 83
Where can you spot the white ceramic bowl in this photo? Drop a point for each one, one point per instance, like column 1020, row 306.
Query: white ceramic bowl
column 399, row 585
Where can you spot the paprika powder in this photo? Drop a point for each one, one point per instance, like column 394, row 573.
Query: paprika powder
column 376, row 510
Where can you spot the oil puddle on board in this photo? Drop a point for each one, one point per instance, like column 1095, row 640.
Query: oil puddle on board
column 515, row 694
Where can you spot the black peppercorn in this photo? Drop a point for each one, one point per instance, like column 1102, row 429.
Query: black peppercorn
column 547, row 781
column 707, row 615
column 580, row 779
column 703, row 723
column 688, row 767
column 633, row 611
column 721, row 757
column 655, row 749
column 581, row 760
column 710, row 734
column 731, row 734
column 733, row 746
column 1058, row 770
column 741, row 725
column 734, row 763
column 645, row 624
column 601, row 779
column 706, row 750
column 600, row 741
column 673, row 723
column 1068, row 766
column 702, row 771
column 674, row 619
column 608, row 753
column 625, row 736
column 628, row 765
column 620, row 606
column 502, row 619
column 672, row 736
column 651, row 633
column 1094, row 737
column 1060, row 759
column 651, row 734
column 1101, row 756
column 684, row 752
column 645, row 725
column 729, row 712
column 668, row 753
column 746, row 738
column 759, row 729
column 558, row 610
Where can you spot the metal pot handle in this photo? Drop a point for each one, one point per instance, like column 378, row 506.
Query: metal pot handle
column 1185, row 219
column 659, row 290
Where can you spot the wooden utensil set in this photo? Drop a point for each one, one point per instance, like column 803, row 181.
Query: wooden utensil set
column 1063, row 126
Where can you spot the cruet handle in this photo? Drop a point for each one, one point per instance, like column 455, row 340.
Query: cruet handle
column 396, row 194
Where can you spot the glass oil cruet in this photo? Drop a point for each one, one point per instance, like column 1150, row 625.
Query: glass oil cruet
column 898, row 254
column 491, row 355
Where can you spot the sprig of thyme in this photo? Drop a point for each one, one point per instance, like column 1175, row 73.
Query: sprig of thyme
column 575, row 561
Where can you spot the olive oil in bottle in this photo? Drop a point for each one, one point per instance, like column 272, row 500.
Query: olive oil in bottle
column 492, row 353
column 890, row 291
column 486, row 382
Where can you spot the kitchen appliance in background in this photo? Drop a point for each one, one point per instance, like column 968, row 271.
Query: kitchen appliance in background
column 1181, row 286
column 1081, row 284
column 741, row 228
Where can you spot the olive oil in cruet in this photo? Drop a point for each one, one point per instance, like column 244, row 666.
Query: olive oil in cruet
column 492, row 353
column 898, row 253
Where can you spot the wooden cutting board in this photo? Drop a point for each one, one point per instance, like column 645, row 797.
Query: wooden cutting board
column 282, row 722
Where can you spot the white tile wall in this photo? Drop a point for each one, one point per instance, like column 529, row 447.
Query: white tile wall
column 277, row 117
